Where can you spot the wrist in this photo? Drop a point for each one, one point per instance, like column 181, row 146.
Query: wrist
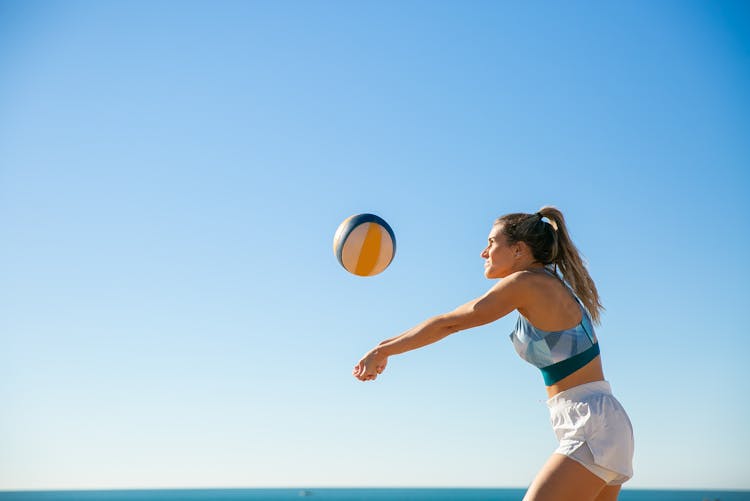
column 382, row 351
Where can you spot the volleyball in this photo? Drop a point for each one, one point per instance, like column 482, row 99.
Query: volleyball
column 364, row 244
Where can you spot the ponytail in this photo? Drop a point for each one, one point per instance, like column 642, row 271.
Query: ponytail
column 551, row 244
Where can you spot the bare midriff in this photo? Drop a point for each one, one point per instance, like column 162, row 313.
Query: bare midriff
column 589, row 373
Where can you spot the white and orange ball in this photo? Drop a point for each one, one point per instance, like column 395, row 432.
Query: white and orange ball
column 364, row 244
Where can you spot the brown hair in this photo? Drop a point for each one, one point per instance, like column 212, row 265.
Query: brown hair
column 550, row 244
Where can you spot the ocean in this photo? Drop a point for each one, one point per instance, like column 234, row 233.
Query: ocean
column 349, row 495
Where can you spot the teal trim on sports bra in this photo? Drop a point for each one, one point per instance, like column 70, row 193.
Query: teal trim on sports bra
column 555, row 372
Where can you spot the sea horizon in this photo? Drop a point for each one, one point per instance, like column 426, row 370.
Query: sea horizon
column 347, row 494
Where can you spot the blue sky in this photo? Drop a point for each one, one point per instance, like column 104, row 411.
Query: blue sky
column 171, row 176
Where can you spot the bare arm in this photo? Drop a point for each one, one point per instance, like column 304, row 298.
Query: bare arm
column 501, row 299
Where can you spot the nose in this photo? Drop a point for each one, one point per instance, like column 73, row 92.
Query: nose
column 485, row 254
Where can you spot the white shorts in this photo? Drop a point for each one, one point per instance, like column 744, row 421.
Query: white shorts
column 593, row 428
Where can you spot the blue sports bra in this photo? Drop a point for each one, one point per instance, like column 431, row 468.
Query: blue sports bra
column 557, row 354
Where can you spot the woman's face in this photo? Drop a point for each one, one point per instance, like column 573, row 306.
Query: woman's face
column 499, row 257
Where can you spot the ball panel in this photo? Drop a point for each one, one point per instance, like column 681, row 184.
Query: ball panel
column 351, row 247
column 340, row 236
column 387, row 252
column 370, row 251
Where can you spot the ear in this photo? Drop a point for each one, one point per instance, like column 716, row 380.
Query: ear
column 520, row 248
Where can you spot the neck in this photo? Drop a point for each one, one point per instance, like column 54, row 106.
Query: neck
column 532, row 266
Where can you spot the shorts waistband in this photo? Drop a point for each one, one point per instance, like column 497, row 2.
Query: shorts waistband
column 580, row 392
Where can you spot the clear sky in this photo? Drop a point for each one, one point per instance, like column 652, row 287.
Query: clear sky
column 172, row 174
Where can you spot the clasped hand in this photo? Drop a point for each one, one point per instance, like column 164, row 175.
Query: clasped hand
column 370, row 366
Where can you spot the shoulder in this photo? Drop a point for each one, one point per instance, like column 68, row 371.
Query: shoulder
column 513, row 288
column 526, row 286
column 525, row 279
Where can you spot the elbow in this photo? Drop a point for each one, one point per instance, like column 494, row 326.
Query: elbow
column 446, row 325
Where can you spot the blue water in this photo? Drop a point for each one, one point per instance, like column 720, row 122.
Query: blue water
column 350, row 495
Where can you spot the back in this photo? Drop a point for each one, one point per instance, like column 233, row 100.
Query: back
column 558, row 351
column 555, row 306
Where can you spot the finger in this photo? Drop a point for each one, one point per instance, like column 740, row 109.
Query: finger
column 359, row 367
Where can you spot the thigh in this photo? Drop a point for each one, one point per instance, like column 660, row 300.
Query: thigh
column 609, row 493
column 564, row 479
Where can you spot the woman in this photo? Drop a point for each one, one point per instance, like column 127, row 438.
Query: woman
column 554, row 332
